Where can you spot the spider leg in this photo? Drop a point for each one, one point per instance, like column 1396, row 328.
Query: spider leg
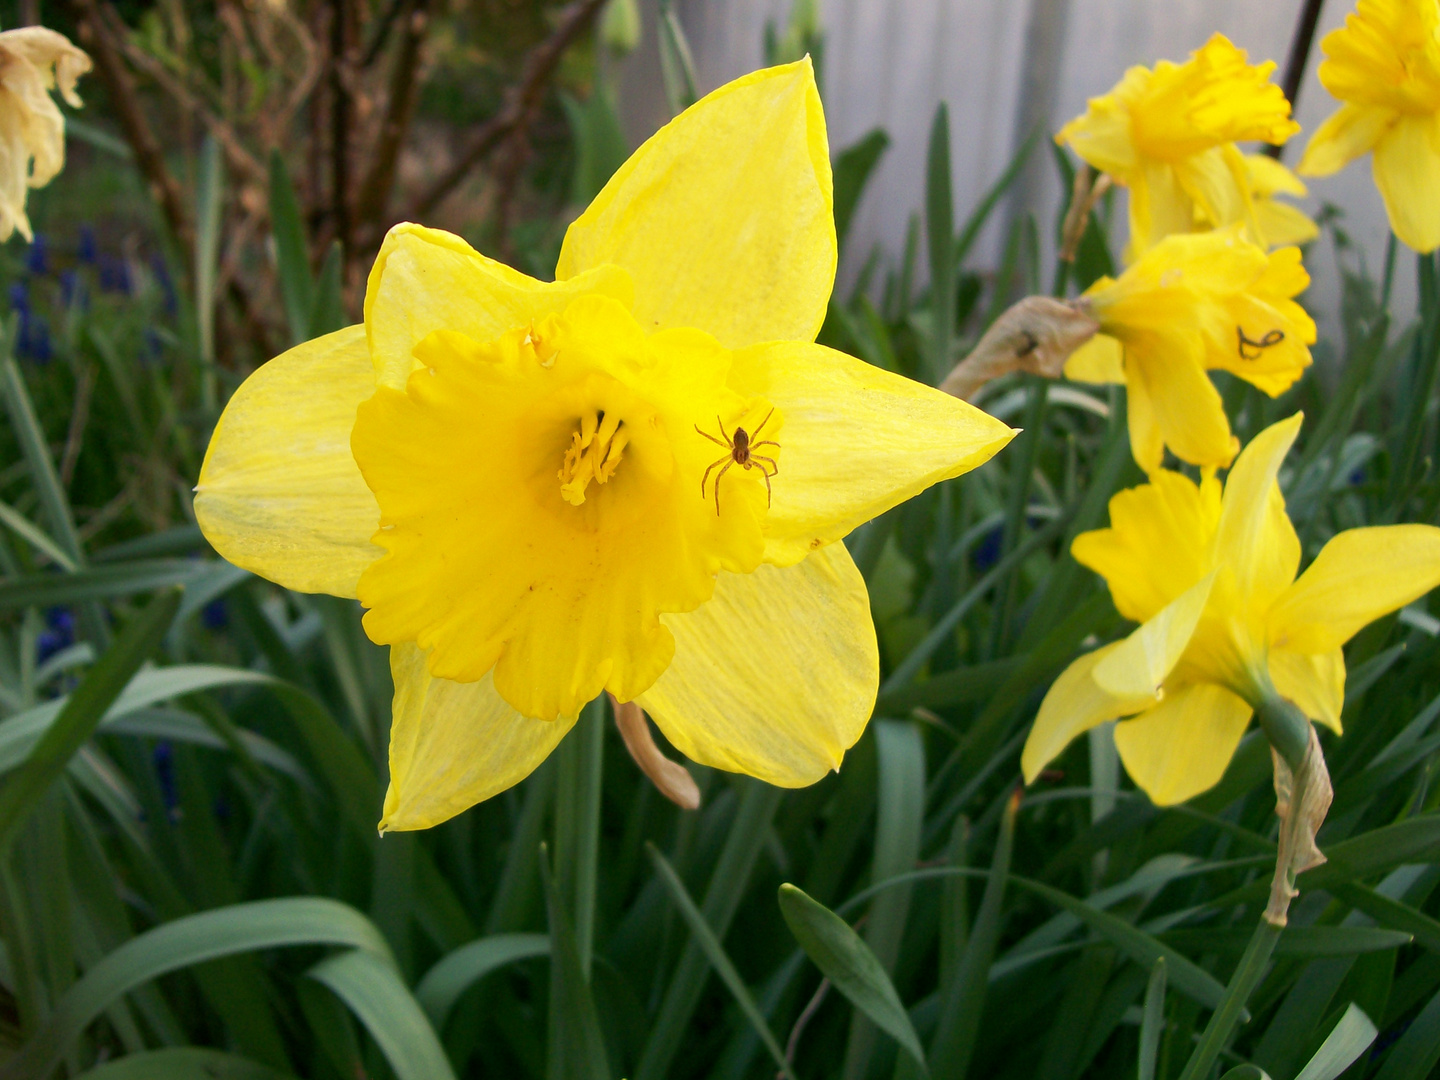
column 718, row 475
column 712, row 438
column 728, row 441
column 764, row 442
column 766, row 475
column 762, row 423
column 774, row 466
column 712, row 465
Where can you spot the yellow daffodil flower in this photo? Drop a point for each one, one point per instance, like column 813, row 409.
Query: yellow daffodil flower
column 629, row 479
column 1192, row 302
column 1279, row 223
column 1169, row 135
column 1384, row 64
column 1225, row 623
column 33, row 61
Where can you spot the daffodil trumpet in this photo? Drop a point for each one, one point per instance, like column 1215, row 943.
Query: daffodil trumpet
column 520, row 481
column 1228, row 631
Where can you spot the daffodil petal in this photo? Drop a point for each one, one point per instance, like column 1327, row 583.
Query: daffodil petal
column 1073, row 705
column 724, row 217
column 1281, row 223
column 425, row 280
column 774, row 676
column 1187, row 409
column 1137, row 669
column 1147, row 442
column 279, row 492
column 1158, row 542
column 1255, row 536
column 1313, row 681
column 1360, row 575
column 1099, row 360
column 1183, row 745
column 1351, row 131
column 857, row 440
column 454, row 744
column 1407, row 172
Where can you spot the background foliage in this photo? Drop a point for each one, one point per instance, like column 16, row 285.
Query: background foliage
column 193, row 759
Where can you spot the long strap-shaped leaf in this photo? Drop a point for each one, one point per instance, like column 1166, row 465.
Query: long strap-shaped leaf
column 240, row 928
column 83, row 712
column 371, row 986
column 457, row 971
column 181, row 1063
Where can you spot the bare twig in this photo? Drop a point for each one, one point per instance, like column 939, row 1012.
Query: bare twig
column 1037, row 335
column 1087, row 192
column 1299, row 54
column 404, row 91
column 342, row 59
column 521, row 105
column 97, row 40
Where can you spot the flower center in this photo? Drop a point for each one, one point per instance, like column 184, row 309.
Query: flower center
column 594, row 454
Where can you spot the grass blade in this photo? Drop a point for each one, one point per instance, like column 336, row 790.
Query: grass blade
column 292, row 254
column 715, row 952
column 83, row 712
column 940, row 239
column 181, row 1063
column 850, row 965
column 1418, row 1051
column 1152, row 1022
column 371, row 986
column 1350, row 1038
column 209, row 200
column 461, row 969
column 853, row 168
column 580, row 1045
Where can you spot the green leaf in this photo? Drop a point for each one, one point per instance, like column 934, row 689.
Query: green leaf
column 370, row 984
column 1295, row 941
column 940, row 238
column 677, row 66
column 461, row 969
column 853, row 168
column 327, row 312
column 181, row 1063
column 715, row 952
column 181, row 943
column 1418, row 1051
column 101, row 582
column 1350, row 1038
column 33, row 535
column 580, row 1043
column 209, row 205
column 292, row 253
column 850, row 966
column 1152, row 1021
column 83, row 711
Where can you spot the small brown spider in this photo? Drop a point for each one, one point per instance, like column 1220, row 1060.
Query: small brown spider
column 741, row 452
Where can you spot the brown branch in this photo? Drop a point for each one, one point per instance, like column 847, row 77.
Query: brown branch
column 404, row 91
column 521, row 105
column 164, row 189
column 342, row 47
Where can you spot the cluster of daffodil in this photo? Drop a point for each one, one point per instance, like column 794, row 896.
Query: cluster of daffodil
column 1227, row 630
column 632, row 479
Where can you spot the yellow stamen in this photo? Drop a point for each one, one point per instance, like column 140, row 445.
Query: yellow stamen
column 594, row 454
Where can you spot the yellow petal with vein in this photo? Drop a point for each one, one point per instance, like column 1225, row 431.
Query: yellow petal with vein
column 279, row 492
column 425, row 280
column 1144, row 660
column 1407, row 172
column 857, row 440
column 1360, row 575
column 1073, row 705
column 1255, row 537
column 1187, row 409
column 1183, row 745
column 776, row 675
column 724, row 217
column 1313, row 681
column 453, row 744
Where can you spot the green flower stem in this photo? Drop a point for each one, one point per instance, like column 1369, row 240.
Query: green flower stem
column 1287, row 728
column 1232, row 1006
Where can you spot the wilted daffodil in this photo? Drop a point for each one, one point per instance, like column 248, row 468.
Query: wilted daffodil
column 1225, row 624
column 1169, row 135
column 631, row 479
column 33, row 61
column 1384, row 64
column 1192, row 302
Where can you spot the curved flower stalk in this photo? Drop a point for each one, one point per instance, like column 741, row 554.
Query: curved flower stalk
column 1226, row 626
column 1195, row 302
column 1169, row 135
column 1384, row 64
column 33, row 61
column 630, row 479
